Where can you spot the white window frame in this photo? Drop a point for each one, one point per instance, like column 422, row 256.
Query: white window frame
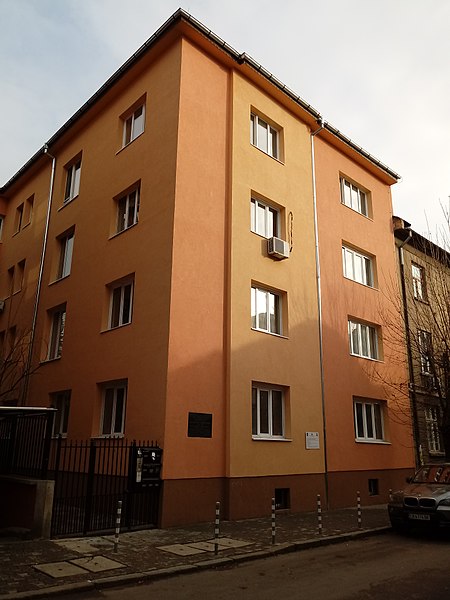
column 66, row 253
column 61, row 401
column 121, row 296
column 433, row 429
column 269, row 391
column 128, row 209
column 271, row 219
column 58, row 323
column 357, row 266
column 73, row 177
column 355, row 198
column 263, row 302
column 363, row 340
column 2, row 222
column 425, row 344
column 134, row 125
column 270, row 145
column 370, row 420
column 113, row 392
column 418, row 282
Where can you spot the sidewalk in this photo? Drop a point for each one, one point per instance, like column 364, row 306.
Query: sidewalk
column 42, row 568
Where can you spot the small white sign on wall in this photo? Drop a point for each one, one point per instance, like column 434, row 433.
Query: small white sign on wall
column 312, row 440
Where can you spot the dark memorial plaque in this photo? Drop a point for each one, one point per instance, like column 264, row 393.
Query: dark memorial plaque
column 200, row 425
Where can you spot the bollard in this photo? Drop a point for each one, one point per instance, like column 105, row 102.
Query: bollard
column 217, row 529
column 358, row 503
column 118, row 518
column 273, row 521
column 319, row 514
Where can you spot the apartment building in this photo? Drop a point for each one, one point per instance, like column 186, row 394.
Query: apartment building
column 177, row 259
column 424, row 270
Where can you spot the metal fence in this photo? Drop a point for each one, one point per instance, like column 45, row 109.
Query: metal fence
column 92, row 476
column 25, row 441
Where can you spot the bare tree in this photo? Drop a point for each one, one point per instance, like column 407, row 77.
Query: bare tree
column 421, row 339
column 15, row 369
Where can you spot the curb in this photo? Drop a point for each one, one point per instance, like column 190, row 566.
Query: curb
column 145, row 576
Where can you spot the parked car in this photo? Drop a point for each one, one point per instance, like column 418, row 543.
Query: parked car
column 424, row 501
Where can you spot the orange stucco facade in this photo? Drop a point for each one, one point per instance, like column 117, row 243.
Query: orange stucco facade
column 188, row 344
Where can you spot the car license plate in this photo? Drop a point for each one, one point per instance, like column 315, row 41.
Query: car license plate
column 418, row 517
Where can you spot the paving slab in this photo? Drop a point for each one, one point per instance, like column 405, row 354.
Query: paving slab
column 230, row 543
column 206, row 546
column 80, row 546
column 60, row 569
column 181, row 549
column 97, row 564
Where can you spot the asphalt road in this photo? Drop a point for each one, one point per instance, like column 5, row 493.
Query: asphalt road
column 384, row 567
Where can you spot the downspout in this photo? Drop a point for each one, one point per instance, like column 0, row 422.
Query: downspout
column 416, row 434
column 321, row 122
column 39, row 282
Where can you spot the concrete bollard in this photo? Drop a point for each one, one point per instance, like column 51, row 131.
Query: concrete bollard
column 319, row 514
column 118, row 519
column 217, row 529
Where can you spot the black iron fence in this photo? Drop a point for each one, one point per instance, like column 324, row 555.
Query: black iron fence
column 92, row 476
column 25, row 441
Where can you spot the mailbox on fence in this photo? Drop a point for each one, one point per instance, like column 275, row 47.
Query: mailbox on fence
column 145, row 468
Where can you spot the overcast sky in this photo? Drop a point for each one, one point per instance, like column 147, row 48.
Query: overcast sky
column 378, row 70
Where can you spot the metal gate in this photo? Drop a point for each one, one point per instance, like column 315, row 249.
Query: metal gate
column 92, row 476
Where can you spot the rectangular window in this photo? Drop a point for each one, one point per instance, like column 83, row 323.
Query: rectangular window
column 66, row 252
column 264, row 220
column 19, row 218
column 432, row 415
column 121, row 303
column 29, row 210
column 60, row 401
column 265, row 310
column 18, row 277
column 73, row 174
column 58, row 322
column 133, row 125
column 113, row 413
column 264, row 136
column 2, row 219
column 418, row 281
column 426, row 351
column 363, row 340
column 11, row 279
column 368, row 421
column 354, row 198
column 357, row 266
column 267, row 412
column 128, row 210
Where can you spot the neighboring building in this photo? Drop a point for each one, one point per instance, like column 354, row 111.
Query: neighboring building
column 424, row 269
column 177, row 296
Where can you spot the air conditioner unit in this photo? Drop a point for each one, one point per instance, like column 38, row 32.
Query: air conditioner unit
column 277, row 248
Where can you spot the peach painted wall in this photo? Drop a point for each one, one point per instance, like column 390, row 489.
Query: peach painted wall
column 137, row 351
column 291, row 360
column 345, row 375
column 196, row 362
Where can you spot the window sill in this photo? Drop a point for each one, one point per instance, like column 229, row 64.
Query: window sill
column 378, row 360
column 257, row 438
column 114, row 235
column 115, row 328
column 59, row 279
column 66, row 202
column 267, row 154
column 377, row 442
column 50, row 360
column 130, row 142
column 277, row 335
column 108, row 436
column 370, row 287
column 368, row 217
